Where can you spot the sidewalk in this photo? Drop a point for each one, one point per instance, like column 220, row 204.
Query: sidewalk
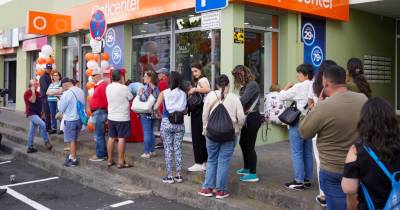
column 274, row 169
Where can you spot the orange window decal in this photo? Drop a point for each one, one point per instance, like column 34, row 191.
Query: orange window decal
column 47, row 23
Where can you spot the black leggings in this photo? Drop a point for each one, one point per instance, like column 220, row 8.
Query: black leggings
column 248, row 137
column 198, row 140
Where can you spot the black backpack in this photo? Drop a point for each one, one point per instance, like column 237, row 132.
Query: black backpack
column 220, row 126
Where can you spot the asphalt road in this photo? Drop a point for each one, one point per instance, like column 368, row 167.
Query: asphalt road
column 60, row 193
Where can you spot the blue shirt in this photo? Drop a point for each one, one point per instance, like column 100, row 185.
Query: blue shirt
column 53, row 86
column 68, row 103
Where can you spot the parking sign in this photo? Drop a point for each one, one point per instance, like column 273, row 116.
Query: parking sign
column 209, row 5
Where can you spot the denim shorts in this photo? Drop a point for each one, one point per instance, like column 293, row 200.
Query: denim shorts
column 119, row 129
column 71, row 130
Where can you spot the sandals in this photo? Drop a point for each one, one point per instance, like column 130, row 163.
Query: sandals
column 109, row 164
column 124, row 165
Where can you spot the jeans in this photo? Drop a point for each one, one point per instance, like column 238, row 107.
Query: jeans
column 36, row 121
column 98, row 119
column 248, row 137
column 331, row 185
column 53, row 112
column 302, row 155
column 219, row 158
column 149, row 139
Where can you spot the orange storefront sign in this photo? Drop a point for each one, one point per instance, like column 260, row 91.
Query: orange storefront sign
column 334, row 9
column 47, row 23
column 122, row 10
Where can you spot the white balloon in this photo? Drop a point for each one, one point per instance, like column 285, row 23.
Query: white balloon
column 38, row 77
column 54, row 66
column 41, row 55
column 43, row 66
column 47, row 50
column 91, row 91
column 90, row 79
column 104, row 65
column 92, row 64
column 38, row 66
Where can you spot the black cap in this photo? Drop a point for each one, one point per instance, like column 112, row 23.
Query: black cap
column 65, row 80
column 49, row 66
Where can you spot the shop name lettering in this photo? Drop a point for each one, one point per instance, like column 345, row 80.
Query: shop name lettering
column 327, row 4
column 111, row 9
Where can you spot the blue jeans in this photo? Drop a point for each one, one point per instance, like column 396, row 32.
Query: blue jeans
column 331, row 185
column 219, row 158
column 36, row 121
column 302, row 155
column 53, row 112
column 149, row 139
column 98, row 119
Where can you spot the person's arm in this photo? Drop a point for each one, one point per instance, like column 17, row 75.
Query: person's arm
column 250, row 91
column 159, row 101
column 241, row 117
column 204, row 87
column 33, row 97
column 206, row 113
column 288, row 93
column 350, row 185
column 311, row 124
column 63, row 102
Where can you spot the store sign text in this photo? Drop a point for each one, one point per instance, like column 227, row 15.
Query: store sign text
column 319, row 3
column 120, row 7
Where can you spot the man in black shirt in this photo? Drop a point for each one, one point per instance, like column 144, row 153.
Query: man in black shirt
column 45, row 82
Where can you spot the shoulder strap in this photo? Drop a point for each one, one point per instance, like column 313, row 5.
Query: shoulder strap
column 216, row 101
column 379, row 162
column 253, row 105
column 368, row 198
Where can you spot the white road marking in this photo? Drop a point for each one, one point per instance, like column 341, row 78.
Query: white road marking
column 31, row 182
column 1, row 163
column 122, row 204
column 26, row 200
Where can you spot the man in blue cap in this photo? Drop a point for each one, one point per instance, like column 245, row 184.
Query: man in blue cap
column 45, row 82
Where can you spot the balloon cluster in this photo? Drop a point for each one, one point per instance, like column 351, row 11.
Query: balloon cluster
column 46, row 56
column 92, row 65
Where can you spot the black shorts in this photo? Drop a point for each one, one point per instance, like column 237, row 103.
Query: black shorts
column 119, row 129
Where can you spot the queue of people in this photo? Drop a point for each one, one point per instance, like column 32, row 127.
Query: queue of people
column 354, row 137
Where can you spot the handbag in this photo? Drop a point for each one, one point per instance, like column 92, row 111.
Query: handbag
column 195, row 101
column 143, row 107
column 176, row 117
column 291, row 115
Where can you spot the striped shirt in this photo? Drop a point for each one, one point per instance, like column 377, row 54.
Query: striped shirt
column 53, row 87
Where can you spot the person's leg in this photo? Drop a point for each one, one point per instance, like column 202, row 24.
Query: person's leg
column 334, row 195
column 296, row 145
column 224, row 159
column 146, row 124
column 46, row 111
column 110, row 150
column 317, row 161
column 212, row 164
column 198, row 140
column 308, row 159
column 253, row 124
column 244, row 145
column 31, row 132
column 42, row 128
column 121, row 151
column 98, row 119
column 53, row 112
column 178, row 136
column 73, row 150
column 152, row 138
column 168, row 147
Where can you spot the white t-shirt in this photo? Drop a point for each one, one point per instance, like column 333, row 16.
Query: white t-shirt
column 118, row 97
column 298, row 93
column 175, row 100
column 311, row 94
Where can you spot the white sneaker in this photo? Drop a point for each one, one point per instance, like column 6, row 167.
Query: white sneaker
column 196, row 167
column 204, row 166
column 145, row 155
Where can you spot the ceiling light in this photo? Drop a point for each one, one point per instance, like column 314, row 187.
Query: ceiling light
column 190, row 15
column 246, row 23
column 143, row 31
column 145, row 23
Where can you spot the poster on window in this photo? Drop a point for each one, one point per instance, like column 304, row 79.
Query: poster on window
column 313, row 38
column 114, row 45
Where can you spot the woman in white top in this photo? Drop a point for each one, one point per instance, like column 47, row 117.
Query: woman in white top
column 220, row 153
column 313, row 94
column 202, row 86
column 302, row 157
column 53, row 95
column 172, row 128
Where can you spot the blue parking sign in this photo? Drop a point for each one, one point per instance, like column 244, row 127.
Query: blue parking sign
column 209, row 5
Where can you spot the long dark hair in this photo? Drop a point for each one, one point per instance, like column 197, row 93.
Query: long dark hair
column 356, row 72
column 197, row 65
column 317, row 85
column 379, row 129
column 175, row 81
column 153, row 76
column 242, row 75
column 222, row 82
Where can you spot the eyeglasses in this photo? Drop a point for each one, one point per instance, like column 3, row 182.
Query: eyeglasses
column 55, row 75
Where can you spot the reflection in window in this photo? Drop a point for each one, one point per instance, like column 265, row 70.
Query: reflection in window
column 190, row 21
column 71, row 66
column 150, row 53
column 196, row 46
column 152, row 27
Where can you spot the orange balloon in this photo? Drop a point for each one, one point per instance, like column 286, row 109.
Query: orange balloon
column 41, row 60
column 90, row 127
column 41, row 72
column 89, row 112
column 105, row 56
column 90, row 85
column 49, row 61
column 89, row 72
column 89, row 56
column 96, row 57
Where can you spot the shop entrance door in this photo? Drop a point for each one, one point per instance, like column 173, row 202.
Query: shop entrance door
column 261, row 57
column 10, row 77
column 397, row 69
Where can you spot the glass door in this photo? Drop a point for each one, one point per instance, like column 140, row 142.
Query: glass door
column 10, row 81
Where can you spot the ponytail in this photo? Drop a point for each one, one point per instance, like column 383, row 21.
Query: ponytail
column 356, row 72
column 222, row 81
